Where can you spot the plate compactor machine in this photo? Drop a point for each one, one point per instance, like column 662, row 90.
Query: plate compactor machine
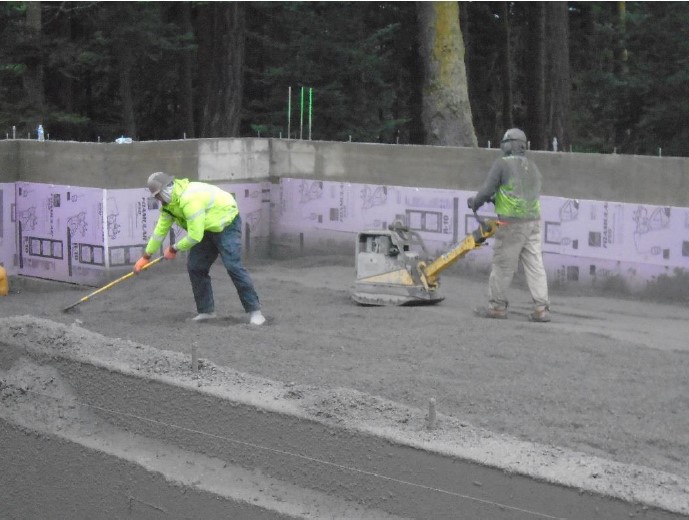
column 393, row 266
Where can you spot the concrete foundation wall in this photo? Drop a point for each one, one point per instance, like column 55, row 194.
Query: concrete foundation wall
column 319, row 194
column 95, row 165
column 618, row 178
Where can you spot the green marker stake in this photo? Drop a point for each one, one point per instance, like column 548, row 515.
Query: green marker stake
column 310, row 109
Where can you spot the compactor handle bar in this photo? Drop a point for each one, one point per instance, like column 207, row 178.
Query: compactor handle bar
column 486, row 228
column 430, row 272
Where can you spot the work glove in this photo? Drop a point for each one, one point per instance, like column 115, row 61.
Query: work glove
column 170, row 253
column 471, row 204
column 141, row 263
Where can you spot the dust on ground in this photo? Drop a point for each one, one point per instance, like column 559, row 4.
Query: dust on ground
column 608, row 377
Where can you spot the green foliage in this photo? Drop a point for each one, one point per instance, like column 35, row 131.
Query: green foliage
column 483, row 69
column 359, row 57
column 638, row 106
column 349, row 55
column 14, row 69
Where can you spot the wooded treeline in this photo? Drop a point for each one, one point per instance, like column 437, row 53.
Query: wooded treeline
column 597, row 76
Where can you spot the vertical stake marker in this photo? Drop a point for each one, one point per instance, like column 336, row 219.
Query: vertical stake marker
column 289, row 111
column 431, row 414
column 310, row 109
column 301, row 114
column 194, row 358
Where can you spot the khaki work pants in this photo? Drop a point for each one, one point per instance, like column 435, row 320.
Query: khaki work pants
column 515, row 242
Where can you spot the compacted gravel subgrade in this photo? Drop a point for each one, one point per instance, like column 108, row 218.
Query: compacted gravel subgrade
column 608, row 379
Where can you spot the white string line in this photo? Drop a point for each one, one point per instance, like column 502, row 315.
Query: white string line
column 306, row 457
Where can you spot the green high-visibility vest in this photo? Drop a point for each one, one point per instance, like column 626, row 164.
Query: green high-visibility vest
column 519, row 197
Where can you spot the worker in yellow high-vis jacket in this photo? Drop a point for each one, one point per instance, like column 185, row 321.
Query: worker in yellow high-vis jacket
column 211, row 218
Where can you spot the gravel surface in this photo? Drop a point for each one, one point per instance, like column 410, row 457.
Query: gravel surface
column 608, row 376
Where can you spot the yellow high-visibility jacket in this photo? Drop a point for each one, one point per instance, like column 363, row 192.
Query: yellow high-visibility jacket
column 197, row 207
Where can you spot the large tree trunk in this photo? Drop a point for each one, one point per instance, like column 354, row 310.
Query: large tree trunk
column 464, row 23
column 536, row 119
column 446, row 112
column 33, row 75
column 559, row 123
column 222, row 35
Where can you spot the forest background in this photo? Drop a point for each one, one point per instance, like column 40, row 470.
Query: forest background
column 605, row 77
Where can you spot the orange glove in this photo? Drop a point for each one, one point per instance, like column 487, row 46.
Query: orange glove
column 170, row 253
column 141, row 263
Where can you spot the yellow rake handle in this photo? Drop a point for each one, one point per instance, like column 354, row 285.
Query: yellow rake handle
column 113, row 283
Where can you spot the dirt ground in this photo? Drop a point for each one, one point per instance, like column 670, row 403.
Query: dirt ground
column 608, row 376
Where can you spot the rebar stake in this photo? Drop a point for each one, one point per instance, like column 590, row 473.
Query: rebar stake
column 194, row 358
column 430, row 423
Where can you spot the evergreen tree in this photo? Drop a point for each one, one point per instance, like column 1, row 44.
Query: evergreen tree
column 349, row 53
column 163, row 70
column 446, row 111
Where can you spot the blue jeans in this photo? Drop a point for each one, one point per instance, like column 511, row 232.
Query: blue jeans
column 227, row 244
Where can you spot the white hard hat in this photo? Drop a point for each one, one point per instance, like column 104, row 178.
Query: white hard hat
column 513, row 142
column 159, row 180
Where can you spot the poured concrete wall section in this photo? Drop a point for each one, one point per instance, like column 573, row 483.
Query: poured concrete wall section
column 617, row 178
column 233, row 159
column 397, row 165
column 96, row 165
column 572, row 177
column 9, row 161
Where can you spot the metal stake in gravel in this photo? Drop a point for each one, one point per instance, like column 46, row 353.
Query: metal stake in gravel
column 430, row 424
column 194, row 358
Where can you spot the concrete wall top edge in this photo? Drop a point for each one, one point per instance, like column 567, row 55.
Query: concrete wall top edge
column 614, row 177
column 655, row 180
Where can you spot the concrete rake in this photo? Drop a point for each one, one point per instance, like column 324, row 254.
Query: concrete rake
column 111, row 284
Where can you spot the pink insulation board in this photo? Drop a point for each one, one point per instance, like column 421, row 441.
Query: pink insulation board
column 8, row 238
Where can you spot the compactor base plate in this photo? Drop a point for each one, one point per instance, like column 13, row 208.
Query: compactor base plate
column 375, row 295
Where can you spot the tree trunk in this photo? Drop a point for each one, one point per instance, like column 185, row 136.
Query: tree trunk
column 224, row 42
column 536, row 119
column 446, row 112
column 186, row 100
column 559, row 124
column 464, row 23
column 621, row 55
column 63, row 86
column 506, row 68
column 33, row 76
column 124, row 63
column 621, row 69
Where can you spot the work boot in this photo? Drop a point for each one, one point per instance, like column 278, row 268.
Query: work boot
column 204, row 316
column 540, row 315
column 489, row 312
column 257, row 318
